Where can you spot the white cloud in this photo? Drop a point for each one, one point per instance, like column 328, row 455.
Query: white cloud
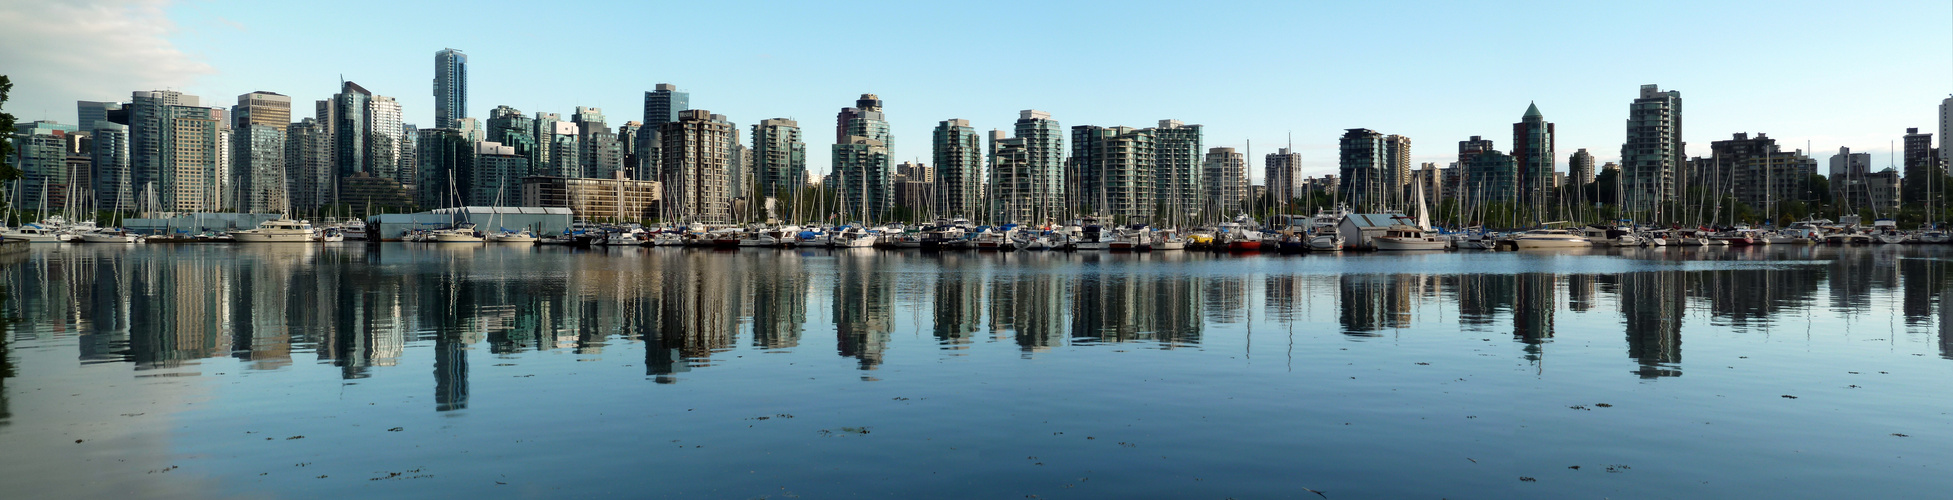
column 57, row 53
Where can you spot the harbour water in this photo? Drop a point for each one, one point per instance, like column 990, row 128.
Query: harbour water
column 417, row 371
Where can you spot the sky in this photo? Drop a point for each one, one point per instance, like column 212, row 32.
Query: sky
column 1816, row 75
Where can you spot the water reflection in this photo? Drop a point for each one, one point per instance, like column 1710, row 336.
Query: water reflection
column 360, row 309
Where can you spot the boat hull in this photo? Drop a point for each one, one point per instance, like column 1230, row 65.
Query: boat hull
column 1387, row 243
column 1534, row 243
column 250, row 237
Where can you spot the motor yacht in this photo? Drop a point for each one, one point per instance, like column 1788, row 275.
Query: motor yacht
column 280, row 230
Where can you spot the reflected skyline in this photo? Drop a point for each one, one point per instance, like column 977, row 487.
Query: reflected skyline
column 361, row 309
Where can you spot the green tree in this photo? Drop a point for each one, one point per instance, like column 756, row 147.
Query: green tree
column 7, row 170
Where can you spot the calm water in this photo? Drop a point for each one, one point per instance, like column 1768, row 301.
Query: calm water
column 417, row 371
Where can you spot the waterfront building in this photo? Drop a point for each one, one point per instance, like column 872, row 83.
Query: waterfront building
column 495, row 176
column 153, row 155
column 1580, row 168
column 958, row 153
column 1923, row 167
column 1362, row 170
column 1491, row 176
column 615, row 199
column 365, row 190
column 1225, row 176
column 914, row 188
column 1653, row 154
column 779, row 158
column 258, row 168
column 1281, row 171
column 1177, row 168
column 1754, row 170
column 114, row 189
column 308, row 164
column 1532, row 147
column 40, row 153
column 1882, row 192
column 694, row 167
column 1027, row 171
column 446, row 160
column 450, row 88
column 1111, row 169
column 270, row 109
column 867, row 189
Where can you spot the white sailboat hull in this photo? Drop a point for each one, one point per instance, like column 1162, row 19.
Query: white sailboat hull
column 1552, row 242
column 253, row 236
column 1393, row 243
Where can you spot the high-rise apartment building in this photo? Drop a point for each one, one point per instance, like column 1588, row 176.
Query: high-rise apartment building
column 87, row 113
column 258, row 168
column 496, row 175
column 1532, row 146
column 41, row 155
column 450, row 88
column 1177, row 168
column 1225, row 175
column 1491, row 176
column 109, row 154
column 1580, row 168
column 779, row 158
column 1363, row 170
column 1027, row 171
column 1282, row 172
column 600, row 155
column 565, row 149
column 958, row 153
column 1396, row 168
column 695, row 172
column 1112, row 169
column 1923, row 167
column 509, row 127
column 1653, row 155
column 867, row 189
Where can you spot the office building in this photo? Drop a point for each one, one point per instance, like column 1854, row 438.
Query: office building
column 40, row 153
column 616, row 199
column 270, row 109
column 661, row 105
column 109, row 158
column 599, row 154
column 308, row 164
column 1282, row 173
column 258, row 168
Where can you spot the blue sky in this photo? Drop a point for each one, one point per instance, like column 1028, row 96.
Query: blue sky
column 1827, row 73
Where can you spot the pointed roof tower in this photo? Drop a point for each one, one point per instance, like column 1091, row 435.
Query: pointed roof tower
column 1532, row 111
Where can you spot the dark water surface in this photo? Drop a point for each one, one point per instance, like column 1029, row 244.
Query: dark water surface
column 400, row 371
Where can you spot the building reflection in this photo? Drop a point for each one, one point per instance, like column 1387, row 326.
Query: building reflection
column 361, row 309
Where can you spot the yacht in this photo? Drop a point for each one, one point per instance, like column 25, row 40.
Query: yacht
column 331, row 235
column 1550, row 238
column 279, row 230
column 109, row 236
column 1408, row 237
column 460, row 233
column 507, row 236
column 32, row 233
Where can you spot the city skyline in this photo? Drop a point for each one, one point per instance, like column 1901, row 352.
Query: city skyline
column 1447, row 79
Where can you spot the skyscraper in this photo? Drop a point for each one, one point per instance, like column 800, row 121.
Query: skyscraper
column 1027, row 171
column 661, row 106
column 89, row 112
column 1281, row 172
column 509, row 127
column 1923, row 168
column 958, row 154
column 1396, row 168
column 1112, row 168
column 1177, row 168
column 1532, row 146
column 258, row 168
column 114, row 188
column 600, row 156
column 694, row 163
column 1654, row 152
column 308, row 164
column 1580, row 168
column 862, row 161
column 1945, row 129
column 1362, row 169
column 41, row 156
column 779, row 157
column 270, row 109
column 450, row 87
column 1225, row 174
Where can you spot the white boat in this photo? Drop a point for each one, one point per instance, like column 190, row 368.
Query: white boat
column 506, row 236
column 852, row 237
column 109, row 236
column 1326, row 240
column 1550, row 238
column 464, row 233
column 280, row 230
column 331, row 235
column 1399, row 237
column 32, row 233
